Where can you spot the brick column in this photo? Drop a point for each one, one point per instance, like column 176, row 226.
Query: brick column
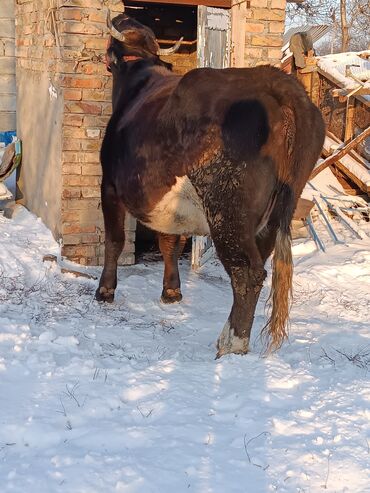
column 265, row 25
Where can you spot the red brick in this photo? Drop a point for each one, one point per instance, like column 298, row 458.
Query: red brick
column 71, row 193
column 90, row 145
column 278, row 4
column 74, row 27
column 70, row 216
column 73, row 132
column 91, row 158
column 96, row 44
column 266, row 40
column 82, row 205
column 82, row 107
column 71, row 239
column 276, row 27
column 92, row 169
column 91, row 192
column 77, row 251
column 93, row 68
column 89, row 83
column 97, row 95
column 97, row 16
column 96, row 121
column 73, row 120
column 72, row 94
column 77, row 228
column 269, row 14
column 254, row 27
column 81, row 180
column 70, row 14
column 90, row 238
column 70, row 144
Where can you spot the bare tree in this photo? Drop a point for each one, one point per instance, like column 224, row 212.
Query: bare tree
column 349, row 19
column 344, row 25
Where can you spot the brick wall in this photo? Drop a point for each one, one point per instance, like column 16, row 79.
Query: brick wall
column 7, row 66
column 265, row 25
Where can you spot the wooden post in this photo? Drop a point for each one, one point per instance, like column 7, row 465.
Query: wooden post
column 350, row 114
column 238, row 26
column 306, row 75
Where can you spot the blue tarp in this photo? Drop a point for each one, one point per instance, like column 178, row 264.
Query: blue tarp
column 7, row 137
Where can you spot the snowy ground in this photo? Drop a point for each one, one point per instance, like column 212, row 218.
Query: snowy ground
column 128, row 397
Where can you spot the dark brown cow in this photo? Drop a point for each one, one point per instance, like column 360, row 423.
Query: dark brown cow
column 219, row 152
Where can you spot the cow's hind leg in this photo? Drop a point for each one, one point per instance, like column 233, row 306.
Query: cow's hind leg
column 171, row 247
column 114, row 222
column 247, row 275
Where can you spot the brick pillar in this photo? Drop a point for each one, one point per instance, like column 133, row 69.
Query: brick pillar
column 265, row 26
column 86, row 87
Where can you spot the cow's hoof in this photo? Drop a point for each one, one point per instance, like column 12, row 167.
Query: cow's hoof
column 229, row 343
column 104, row 294
column 171, row 296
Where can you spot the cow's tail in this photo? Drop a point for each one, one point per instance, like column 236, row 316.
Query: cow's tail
column 282, row 262
column 282, row 274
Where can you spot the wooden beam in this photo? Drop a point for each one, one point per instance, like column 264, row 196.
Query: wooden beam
column 352, row 153
column 363, row 91
column 340, row 153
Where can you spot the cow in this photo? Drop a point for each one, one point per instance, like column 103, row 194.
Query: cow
column 219, row 152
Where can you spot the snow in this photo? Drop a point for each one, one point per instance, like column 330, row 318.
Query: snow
column 129, row 398
column 335, row 65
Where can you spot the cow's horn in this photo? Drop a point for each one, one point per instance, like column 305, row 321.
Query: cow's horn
column 169, row 51
column 113, row 31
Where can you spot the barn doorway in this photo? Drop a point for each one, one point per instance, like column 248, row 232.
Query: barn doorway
column 169, row 23
column 206, row 42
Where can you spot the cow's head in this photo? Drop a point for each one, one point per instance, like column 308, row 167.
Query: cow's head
column 131, row 40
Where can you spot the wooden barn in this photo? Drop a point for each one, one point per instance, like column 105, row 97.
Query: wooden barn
column 64, row 94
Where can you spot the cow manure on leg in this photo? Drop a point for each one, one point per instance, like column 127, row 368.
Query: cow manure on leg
column 171, row 296
column 104, row 294
column 229, row 343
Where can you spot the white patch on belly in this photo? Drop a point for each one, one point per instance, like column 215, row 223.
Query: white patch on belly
column 180, row 211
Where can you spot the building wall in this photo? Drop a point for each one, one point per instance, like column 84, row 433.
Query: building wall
column 265, row 25
column 39, row 113
column 257, row 31
column 7, row 66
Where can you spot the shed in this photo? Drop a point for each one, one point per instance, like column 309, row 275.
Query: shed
column 64, row 94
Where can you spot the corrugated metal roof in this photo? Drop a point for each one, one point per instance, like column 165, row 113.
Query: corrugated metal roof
column 316, row 32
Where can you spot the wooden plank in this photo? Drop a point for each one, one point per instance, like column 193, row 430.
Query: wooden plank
column 363, row 91
column 207, row 3
column 343, row 168
column 355, row 155
column 340, row 153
